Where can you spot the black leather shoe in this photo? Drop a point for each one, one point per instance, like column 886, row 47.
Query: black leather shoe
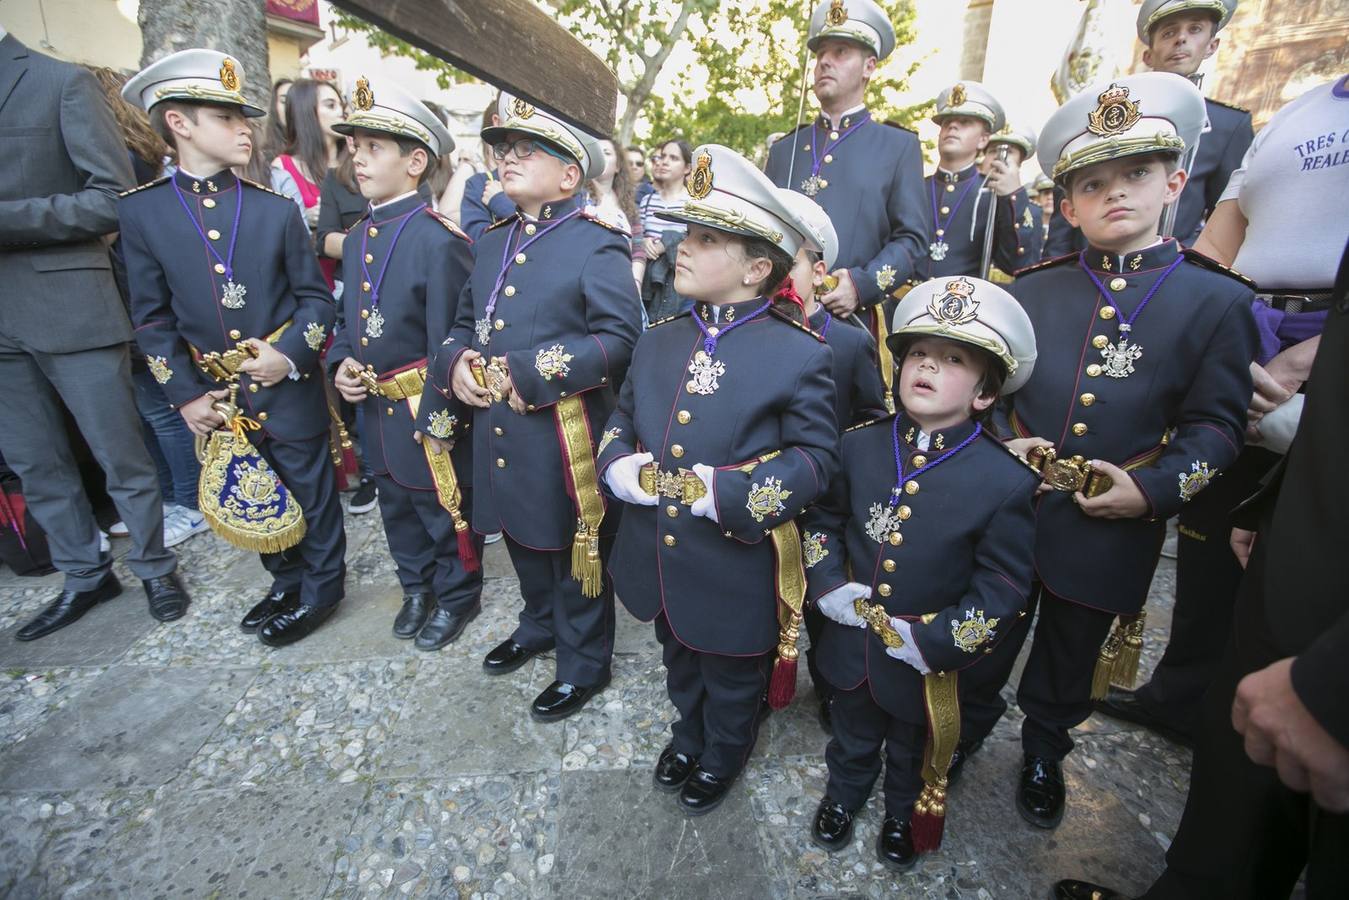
column 1072, row 889
column 833, row 825
column 1040, row 795
column 294, row 624
column 444, row 627
column 167, row 596
column 413, row 615
column 894, row 846
column 561, row 699
column 507, row 656
column 68, row 607
column 964, row 750
column 273, row 603
column 1125, row 706
column 673, row 769
column 703, row 792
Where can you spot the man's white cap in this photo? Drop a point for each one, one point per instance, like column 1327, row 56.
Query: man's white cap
column 194, row 76
column 820, row 234
column 970, row 98
column 518, row 114
column 386, row 107
column 1024, row 138
column 1153, row 11
column 860, row 21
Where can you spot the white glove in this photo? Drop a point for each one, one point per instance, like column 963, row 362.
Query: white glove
column 621, row 477
column 909, row 652
column 1278, row 427
column 705, row 505
column 838, row 604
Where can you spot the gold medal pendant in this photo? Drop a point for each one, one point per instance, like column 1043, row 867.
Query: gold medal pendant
column 232, row 295
column 1120, row 358
column 374, row 326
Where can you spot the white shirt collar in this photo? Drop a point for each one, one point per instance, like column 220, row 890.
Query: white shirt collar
column 402, row 196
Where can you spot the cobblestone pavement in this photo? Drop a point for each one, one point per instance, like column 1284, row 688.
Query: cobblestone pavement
column 147, row 760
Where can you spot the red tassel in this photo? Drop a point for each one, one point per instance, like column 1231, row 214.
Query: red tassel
column 467, row 555
column 782, row 688
column 787, row 291
column 929, row 817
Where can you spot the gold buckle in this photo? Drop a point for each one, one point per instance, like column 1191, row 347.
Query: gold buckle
column 684, row 485
column 225, row 366
column 1069, row 475
column 879, row 621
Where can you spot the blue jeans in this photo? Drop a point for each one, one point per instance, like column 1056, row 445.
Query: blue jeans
column 169, row 441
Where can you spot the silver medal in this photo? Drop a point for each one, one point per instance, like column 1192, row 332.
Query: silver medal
column 705, row 371
column 482, row 330
column 232, row 295
column 937, row 250
column 811, row 186
column 1120, row 358
column 374, row 326
column 884, row 520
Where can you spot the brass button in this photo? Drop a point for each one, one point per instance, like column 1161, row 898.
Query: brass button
column 235, row 334
column 520, row 259
column 904, row 513
column 220, row 268
column 884, row 590
column 498, row 431
column 1093, row 370
column 501, row 463
column 1100, row 342
column 1118, row 284
column 531, row 228
column 683, row 417
column 941, row 231
column 262, row 416
column 670, row 540
column 370, row 257
column 888, row 565
column 672, row 511
column 910, row 487
column 945, row 210
column 253, row 388
column 365, row 286
column 805, row 149
column 824, row 182
column 499, row 324
column 1088, row 399
column 365, row 342
column 833, row 135
column 213, row 234
column 677, row 451
column 365, row 314
column 950, row 188
column 1107, row 313
column 896, row 539
column 919, row 460
column 1079, row 428
column 829, row 157
column 208, row 203
column 388, row 411
column 509, row 291
column 372, row 231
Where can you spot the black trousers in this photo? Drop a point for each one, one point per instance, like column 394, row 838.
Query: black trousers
column 718, row 699
column 1055, row 687
column 557, row 614
column 814, row 626
column 425, row 547
column 315, row 566
column 861, row 730
column 1207, row 579
column 1243, row 834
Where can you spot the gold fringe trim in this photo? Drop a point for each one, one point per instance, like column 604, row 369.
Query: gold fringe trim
column 1125, row 673
column 1105, row 663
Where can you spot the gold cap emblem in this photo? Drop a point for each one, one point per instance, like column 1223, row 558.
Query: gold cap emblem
column 229, row 78
column 837, row 15
column 958, row 95
column 957, row 305
column 700, row 180
column 520, row 108
column 364, row 98
column 1115, row 113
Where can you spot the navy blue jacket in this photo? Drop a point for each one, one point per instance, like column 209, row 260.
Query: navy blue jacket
column 961, row 572
column 874, row 197
column 475, row 217
column 419, row 281
column 1188, row 392
column 176, row 293
column 566, row 320
column 1016, row 232
column 858, row 392
column 771, row 396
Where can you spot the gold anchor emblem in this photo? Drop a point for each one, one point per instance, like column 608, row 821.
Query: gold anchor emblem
column 837, row 15
column 1114, row 114
column 364, row 97
column 229, row 78
column 700, row 180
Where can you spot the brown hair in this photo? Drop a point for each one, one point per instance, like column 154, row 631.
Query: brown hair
column 276, row 132
column 405, row 147
column 624, row 189
column 1170, row 160
column 305, row 139
column 780, row 270
column 161, row 127
column 138, row 135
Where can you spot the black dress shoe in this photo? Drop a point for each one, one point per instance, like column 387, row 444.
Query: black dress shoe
column 964, row 750
column 507, row 656
column 1072, row 889
column 294, row 624
column 1125, row 706
column 894, row 846
column 1039, row 796
column 833, row 825
column 68, row 607
column 167, row 596
column 444, row 627
column 703, row 792
column 673, row 769
column 562, row 698
column 273, row 603
column 411, row 618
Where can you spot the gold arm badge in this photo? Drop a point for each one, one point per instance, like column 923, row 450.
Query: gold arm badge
column 700, row 180
column 552, row 362
column 1114, row 114
column 957, row 305
column 364, row 98
column 957, row 95
column 813, row 549
column 313, row 335
column 521, row 108
column 1195, row 480
column 974, row 631
column 766, row 499
column 441, row 424
column 608, row 438
column 885, row 277
column 159, row 367
column 837, row 15
column 229, row 76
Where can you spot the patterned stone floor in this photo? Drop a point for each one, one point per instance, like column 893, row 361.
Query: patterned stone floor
column 147, row 760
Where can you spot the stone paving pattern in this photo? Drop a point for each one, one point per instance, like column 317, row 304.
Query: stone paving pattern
column 146, row 760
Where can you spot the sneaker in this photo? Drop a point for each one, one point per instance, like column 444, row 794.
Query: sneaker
column 104, row 545
column 492, row 538
column 182, row 524
column 365, row 498
column 119, row 529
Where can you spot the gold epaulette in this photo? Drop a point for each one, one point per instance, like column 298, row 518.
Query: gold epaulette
column 868, row 423
column 1044, row 264
column 591, row 217
column 1212, row 264
column 262, row 187
column 449, row 225
column 506, row 221
column 141, row 187
column 1230, row 106
column 783, row 316
column 988, row 433
column 893, row 124
column 354, row 225
column 678, row 315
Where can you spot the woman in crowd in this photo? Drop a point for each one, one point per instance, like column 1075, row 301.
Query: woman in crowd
column 313, row 148
column 612, row 199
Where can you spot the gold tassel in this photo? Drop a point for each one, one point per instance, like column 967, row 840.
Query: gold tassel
column 1125, row 673
column 585, row 559
column 1105, row 664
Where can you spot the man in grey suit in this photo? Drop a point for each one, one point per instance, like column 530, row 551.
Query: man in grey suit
column 64, row 334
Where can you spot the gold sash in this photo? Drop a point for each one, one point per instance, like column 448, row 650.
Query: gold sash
column 578, row 452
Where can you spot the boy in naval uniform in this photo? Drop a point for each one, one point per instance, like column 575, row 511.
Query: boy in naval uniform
column 919, row 558
column 404, row 267
column 215, row 264
column 1017, row 145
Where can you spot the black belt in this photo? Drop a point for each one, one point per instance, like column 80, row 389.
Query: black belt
column 1297, row 301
